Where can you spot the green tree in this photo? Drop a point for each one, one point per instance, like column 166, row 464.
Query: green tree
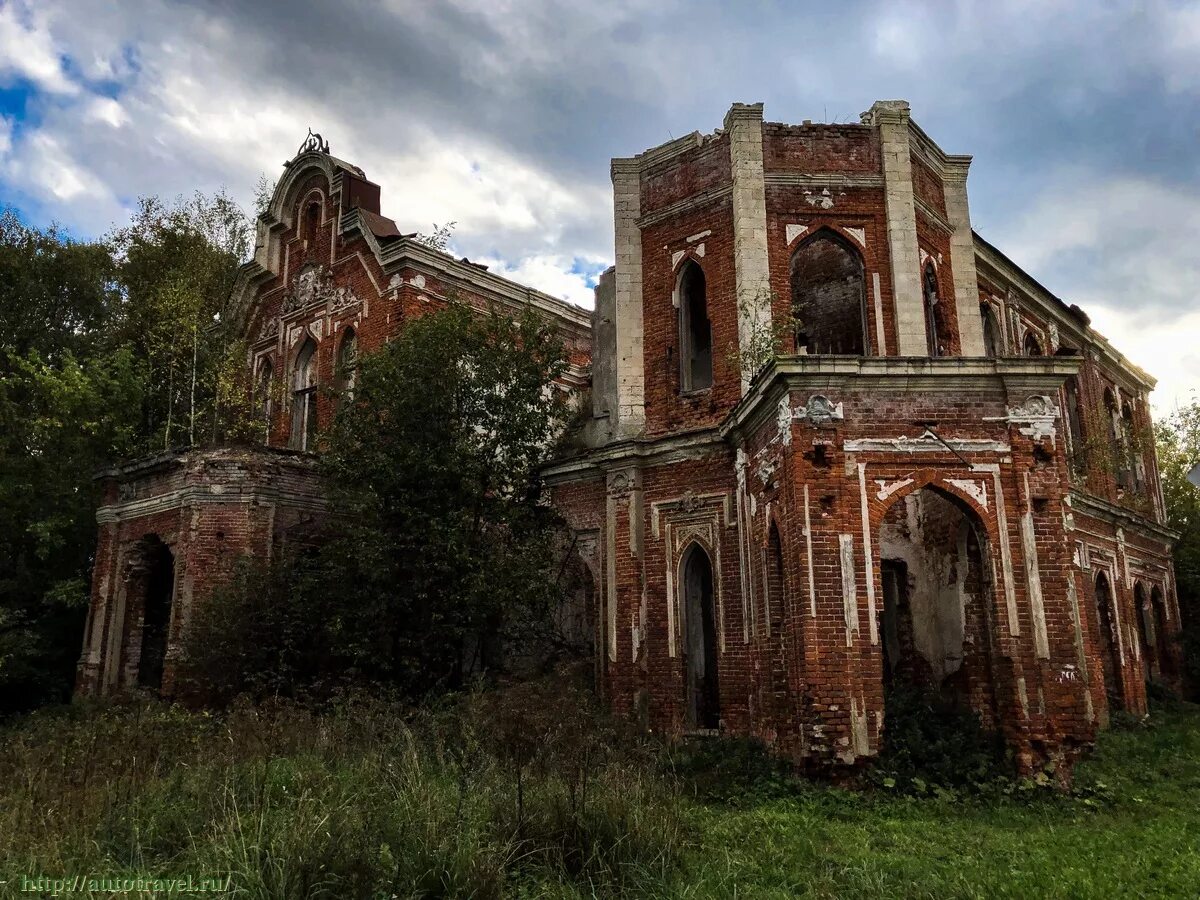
column 59, row 422
column 56, row 294
column 442, row 540
column 107, row 349
column 438, row 545
column 1178, row 439
column 176, row 264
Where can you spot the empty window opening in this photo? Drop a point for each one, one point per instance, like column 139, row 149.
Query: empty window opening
column 828, row 296
column 1109, row 642
column 703, row 693
column 346, row 367
column 935, row 314
column 1162, row 634
column 695, row 331
column 1145, row 629
column 1117, row 441
column 937, row 593
column 1135, row 469
column 262, row 395
column 304, row 397
column 1075, row 428
column 159, row 586
column 312, row 221
column 991, row 333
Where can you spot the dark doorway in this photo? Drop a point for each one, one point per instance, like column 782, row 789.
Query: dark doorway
column 156, row 612
column 935, row 622
column 1109, row 655
column 703, row 694
column 1162, row 638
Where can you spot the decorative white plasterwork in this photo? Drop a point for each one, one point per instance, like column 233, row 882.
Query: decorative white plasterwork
column 887, row 488
column 1034, row 418
column 976, row 490
column 822, row 200
column 794, row 230
column 859, row 234
column 926, row 443
column 676, row 257
column 692, row 238
column 700, row 250
column 783, row 421
column 820, row 410
column 417, row 281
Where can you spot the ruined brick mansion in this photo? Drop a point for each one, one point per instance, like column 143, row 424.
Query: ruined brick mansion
column 944, row 477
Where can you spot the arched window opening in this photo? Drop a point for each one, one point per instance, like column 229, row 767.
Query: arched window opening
column 304, row 397
column 700, row 628
column 1145, row 629
column 695, row 330
column 1109, row 642
column 991, row 333
column 937, row 591
column 935, row 316
column 1079, row 451
column 346, row 367
column 1134, row 467
column 1116, row 440
column 829, row 296
column 262, row 395
column 775, row 600
column 159, row 587
column 1162, row 634
column 312, row 221
column 1033, row 347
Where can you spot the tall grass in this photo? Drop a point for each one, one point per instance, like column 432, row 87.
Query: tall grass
column 363, row 799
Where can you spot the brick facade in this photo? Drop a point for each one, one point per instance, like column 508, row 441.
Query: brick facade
column 768, row 551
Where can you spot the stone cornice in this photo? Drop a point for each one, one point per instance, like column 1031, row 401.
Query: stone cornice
column 641, row 453
column 687, row 204
column 830, row 179
column 1017, row 377
column 1082, row 501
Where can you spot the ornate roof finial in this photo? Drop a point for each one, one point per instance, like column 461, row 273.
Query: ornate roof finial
column 314, row 142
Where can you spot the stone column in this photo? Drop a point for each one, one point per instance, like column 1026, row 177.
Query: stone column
column 891, row 118
column 743, row 124
column 962, row 256
column 631, row 386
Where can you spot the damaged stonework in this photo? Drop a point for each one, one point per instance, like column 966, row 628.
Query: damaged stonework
column 908, row 490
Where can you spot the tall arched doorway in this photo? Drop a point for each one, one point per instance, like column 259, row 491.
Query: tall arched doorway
column 1145, row 630
column 935, row 623
column 700, row 651
column 159, row 575
column 1162, row 635
column 1110, row 658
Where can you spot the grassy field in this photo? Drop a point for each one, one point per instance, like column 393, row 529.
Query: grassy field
column 363, row 802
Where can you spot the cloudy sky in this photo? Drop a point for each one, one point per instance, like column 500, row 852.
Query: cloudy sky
column 1083, row 120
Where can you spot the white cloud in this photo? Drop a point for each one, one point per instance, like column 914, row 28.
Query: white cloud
column 1125, row 249
column 1166, row 347
column 27, row 50
column 552, row 274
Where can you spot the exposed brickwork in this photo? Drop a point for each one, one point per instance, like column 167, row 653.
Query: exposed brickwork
column 802, row 489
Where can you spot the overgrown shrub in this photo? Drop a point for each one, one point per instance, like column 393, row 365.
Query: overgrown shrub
column 361, row 798
column 930, row 743
column 728, row 769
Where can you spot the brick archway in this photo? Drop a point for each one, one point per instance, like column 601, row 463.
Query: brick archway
column 937, row 600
